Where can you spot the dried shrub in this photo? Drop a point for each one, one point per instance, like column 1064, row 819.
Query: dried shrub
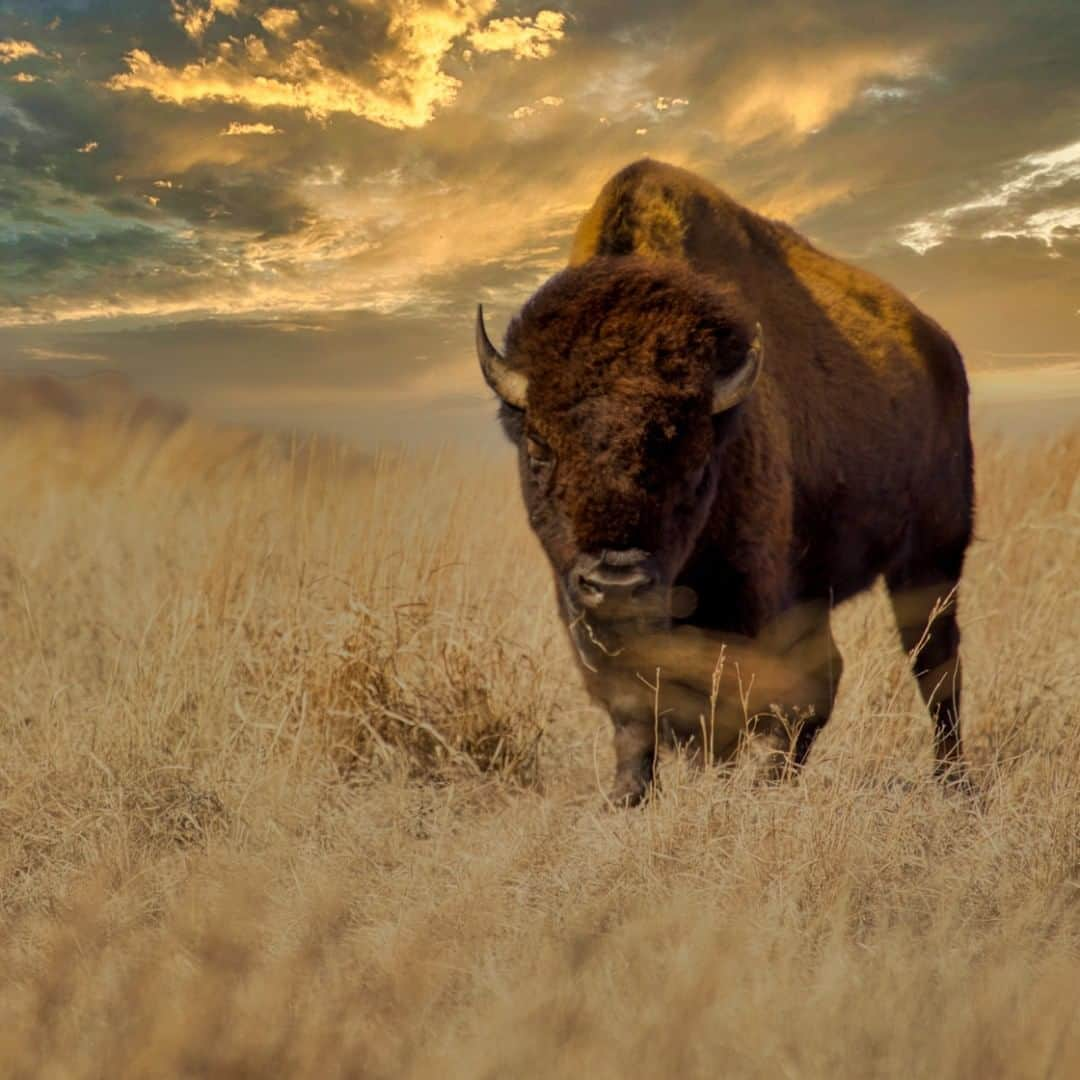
column 437, row 695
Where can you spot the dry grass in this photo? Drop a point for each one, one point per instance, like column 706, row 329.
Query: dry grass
column 296, row 778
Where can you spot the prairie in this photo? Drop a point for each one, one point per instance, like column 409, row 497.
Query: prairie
column 297, row 778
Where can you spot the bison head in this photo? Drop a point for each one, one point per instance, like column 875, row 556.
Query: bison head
column 619, row 385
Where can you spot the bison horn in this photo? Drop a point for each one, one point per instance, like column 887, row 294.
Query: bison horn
column 509, row 384
column 733, row 388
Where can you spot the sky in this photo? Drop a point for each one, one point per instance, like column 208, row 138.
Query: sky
column 285, row 212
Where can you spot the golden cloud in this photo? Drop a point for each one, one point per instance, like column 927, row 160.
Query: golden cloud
column 304, row 81
column 801, row 197
column 548, row 101
column 196, row 18
column 237, row 128
column 11, row 50
column 402, row 88
column 527, row 39
column 280, row 22
column 800, row 97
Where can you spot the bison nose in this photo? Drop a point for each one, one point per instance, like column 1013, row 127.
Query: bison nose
column 612, row 578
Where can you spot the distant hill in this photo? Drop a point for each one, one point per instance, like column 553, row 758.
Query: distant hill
column 106, row 395
column 108, row 405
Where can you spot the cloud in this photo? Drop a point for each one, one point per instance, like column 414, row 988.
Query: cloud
column 761, row 90
column 43, row 354
column 196, row 17
column 801, row 196
column 280, row 22
column 238, row 128
column 401, row 85
column 304, row 82
column 922, row 236
column 1005, row 209
column 799, row 97
column 527, row 39
column 1044, row 225
column 548, row 101
column 11, row 50
column 887, row 93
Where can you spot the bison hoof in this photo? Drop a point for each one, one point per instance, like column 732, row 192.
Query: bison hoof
column 627, row 794
column 955, row 780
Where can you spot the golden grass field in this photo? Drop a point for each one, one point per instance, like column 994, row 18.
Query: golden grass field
column 297, row 779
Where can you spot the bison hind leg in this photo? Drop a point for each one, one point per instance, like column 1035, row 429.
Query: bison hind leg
column 923, row 599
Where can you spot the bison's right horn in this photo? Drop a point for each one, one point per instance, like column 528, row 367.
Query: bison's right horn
column 733, row 388
column 509, row 384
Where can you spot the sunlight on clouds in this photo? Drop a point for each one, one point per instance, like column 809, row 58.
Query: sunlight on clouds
column 887, row 93
column 304, row 81
column 801, row 97
column 527, row 39
column 238, row 128
column 1001, row 207
column 922, row 236
column 383, row 245
column 1044, row 225
column 46, row 356
column 402, row 86
column 549, row 101
column 801, row 197
column 280, row 22
column 11, row 50
column 196, row 17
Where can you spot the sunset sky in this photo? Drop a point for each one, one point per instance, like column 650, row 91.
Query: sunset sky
column 286, row 212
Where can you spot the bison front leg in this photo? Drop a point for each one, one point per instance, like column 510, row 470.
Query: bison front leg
column 765, row 747
column 635, row 758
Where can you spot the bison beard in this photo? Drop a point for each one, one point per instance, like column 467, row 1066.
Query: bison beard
column 722, row 433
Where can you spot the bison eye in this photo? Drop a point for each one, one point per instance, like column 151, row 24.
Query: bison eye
column 540, row 454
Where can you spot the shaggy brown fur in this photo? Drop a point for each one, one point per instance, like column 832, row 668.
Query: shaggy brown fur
column 850, row 459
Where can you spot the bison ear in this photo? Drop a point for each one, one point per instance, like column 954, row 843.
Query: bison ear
column 508, row 383
column 733, row 388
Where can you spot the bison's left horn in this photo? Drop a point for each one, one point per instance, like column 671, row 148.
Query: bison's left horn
column 509, row 384
column 733, row 388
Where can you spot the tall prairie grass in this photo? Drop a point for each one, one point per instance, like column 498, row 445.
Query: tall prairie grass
column 297, row 778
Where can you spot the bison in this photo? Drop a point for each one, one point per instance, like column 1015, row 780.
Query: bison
column 722, row 433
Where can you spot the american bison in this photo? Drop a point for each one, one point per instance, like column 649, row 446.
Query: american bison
column 722, row 433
